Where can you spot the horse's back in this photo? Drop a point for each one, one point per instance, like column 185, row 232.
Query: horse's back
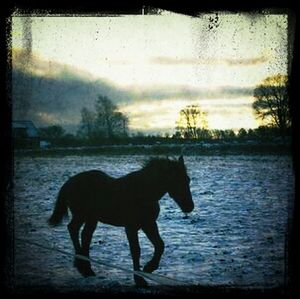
column 87, row 180
column 90, row 175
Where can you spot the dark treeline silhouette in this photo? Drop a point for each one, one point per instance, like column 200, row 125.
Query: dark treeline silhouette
column 104, row 124
column 272, row 102
column 56, row 136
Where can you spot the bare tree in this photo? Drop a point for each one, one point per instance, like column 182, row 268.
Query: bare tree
column 105, row 121
column 191, row 121
column 120, row 124
column 109, row 119
column 88, row 121
column 104, row 115
column 271, row 103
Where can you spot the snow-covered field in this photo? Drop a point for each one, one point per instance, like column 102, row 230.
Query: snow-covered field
column 235, row 236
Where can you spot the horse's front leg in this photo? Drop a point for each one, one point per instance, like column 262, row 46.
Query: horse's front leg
column 135, row 250
column 151, row 231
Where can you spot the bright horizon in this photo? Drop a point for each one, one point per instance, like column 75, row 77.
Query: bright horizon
column 173, row 54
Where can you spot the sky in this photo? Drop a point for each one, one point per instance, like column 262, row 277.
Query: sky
column 170, row 60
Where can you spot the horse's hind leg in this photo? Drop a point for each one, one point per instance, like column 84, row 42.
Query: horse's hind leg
column 74, row 227
column 151, row 231
column 86, row 237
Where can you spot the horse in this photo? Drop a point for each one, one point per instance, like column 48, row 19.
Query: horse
column 130, row 201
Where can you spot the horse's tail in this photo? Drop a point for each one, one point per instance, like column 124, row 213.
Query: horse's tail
column 60, row 210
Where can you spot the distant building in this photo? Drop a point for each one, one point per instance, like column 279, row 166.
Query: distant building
column 25, row 134
column 44, row 144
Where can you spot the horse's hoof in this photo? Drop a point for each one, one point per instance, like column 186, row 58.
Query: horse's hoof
column 84, row 268
column 140, row 282
column 88, row 272
column 150, row 267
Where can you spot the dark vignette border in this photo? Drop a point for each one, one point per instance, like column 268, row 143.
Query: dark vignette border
column 117, row 8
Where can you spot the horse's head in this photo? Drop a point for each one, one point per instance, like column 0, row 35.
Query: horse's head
column 178, row 186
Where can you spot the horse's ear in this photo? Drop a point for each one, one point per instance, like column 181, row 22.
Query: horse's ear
column 181, row 160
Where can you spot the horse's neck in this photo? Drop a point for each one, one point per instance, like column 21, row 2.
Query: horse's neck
column 155, row 184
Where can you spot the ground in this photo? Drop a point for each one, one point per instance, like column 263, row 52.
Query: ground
column 236, row 236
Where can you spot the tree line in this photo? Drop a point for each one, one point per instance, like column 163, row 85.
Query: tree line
column 58, row 137
column 106, row 124
column 271, row 106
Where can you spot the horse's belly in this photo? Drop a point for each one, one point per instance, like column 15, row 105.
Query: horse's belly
column 129, row 215
column 120, row 217
column 112, row 221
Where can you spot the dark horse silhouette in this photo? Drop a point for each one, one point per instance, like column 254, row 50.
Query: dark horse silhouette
column 131, row 201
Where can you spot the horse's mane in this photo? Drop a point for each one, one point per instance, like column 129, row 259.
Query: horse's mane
column 160, row 163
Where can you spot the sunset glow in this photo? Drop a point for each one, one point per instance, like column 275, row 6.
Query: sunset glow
column 168, row 61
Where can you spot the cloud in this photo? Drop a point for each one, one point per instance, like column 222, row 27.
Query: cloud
column 187, row 92
column 163, row 60
column 173, row 61
column 247, row 61
column 55, row 94
column 51, row 93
